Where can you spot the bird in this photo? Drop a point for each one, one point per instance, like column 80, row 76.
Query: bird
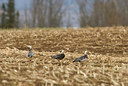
column 81, row 58
column 59, row 56
column 30, row 53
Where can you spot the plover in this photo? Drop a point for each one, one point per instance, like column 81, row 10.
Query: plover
column 30, row 53
column 81, row 58
column 59, row 56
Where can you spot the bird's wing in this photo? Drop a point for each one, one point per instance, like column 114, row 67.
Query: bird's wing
column 79, row 59
column 57, row 56
column 30, row 54
column 76, row 60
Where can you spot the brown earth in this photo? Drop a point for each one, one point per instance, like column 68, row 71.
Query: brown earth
column 107, row 50
column 112, row 41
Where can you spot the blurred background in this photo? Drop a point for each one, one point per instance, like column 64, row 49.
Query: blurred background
column 63, row 13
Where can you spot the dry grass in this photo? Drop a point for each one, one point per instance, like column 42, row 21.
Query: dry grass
column 107, row 63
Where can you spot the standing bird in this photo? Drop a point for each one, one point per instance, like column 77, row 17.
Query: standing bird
column 81, row 58
column 30, row 53
column 59, row 56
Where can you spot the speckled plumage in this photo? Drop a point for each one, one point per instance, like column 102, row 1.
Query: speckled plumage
column 59, row 56
column 30, row 53
column 81, row 58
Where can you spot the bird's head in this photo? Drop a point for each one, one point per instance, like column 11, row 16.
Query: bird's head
column 62, row 51
column 85, row 52
column 30, row 47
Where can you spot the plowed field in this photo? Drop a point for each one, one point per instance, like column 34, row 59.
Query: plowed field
column 107, row 51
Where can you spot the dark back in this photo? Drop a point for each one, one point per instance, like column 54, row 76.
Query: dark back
column 59, row 56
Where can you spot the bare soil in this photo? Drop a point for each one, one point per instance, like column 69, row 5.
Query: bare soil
column 107, row 51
